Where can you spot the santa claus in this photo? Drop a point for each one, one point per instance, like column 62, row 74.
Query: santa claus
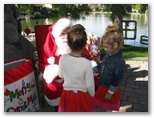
column 55, row 45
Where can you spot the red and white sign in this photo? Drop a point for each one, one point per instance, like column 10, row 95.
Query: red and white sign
column 20, row 90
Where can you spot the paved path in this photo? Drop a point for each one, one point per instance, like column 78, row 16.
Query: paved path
column 134, row 89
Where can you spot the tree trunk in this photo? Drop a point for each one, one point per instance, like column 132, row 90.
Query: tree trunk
column 117, row 11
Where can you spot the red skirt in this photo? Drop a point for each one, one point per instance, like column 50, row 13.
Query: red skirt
column 76, row 101
column 113, row 104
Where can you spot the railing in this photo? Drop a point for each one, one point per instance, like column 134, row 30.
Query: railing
column 144, row 39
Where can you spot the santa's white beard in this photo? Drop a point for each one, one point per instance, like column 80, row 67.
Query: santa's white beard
column 63, row 48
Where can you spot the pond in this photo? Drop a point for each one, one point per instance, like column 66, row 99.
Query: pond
column 97, row 22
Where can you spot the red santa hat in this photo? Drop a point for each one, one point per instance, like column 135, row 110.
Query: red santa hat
column 59, row 26
column 55, row 30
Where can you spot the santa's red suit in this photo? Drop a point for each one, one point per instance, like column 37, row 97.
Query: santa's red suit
column 49, row 62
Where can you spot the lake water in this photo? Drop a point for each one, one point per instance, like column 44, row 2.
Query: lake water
column 97, row 22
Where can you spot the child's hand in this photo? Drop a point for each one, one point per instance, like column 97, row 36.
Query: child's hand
column 108, row 96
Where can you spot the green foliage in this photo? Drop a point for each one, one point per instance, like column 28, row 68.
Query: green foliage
column 107, row 7
column 25, row 8
column 102, row 51
column 38, row 15
column 72, row 10
column 141, row 7
column 125, row 8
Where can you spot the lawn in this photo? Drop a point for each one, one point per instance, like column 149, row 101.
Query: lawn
column 130, row 53
column 133, row 53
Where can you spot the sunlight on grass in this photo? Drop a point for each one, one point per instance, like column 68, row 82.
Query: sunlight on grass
column 132, row 53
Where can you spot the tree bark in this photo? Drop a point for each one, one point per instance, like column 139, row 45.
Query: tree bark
column 117, row 11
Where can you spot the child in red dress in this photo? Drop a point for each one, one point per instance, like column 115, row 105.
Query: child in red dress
column 107, row 96
column 78, row 87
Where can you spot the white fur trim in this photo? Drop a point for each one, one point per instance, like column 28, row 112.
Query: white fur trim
column 63, row 48
column 53, row 102
column 51, row 60
column 50, row 72
column 93, row 63
column 60, row 25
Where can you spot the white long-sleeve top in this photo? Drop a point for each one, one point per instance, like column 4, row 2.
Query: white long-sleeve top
column 77, row 73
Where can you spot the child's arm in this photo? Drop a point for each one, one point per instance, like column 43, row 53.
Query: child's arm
column 116, row 80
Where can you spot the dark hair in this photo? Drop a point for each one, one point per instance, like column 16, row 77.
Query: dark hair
column 112, row 35
column 77, row 37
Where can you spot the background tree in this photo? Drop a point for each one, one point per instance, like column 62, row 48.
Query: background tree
column 75, row 11
column 125, row 8
column 117, row 12
column 141, row 7
column 107, row 7
column 25, row 8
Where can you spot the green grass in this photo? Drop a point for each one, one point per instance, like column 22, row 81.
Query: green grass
column 133, row 53
column 129, row 52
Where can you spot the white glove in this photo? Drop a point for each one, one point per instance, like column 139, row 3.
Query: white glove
column 50, row 72
column 51, row 60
